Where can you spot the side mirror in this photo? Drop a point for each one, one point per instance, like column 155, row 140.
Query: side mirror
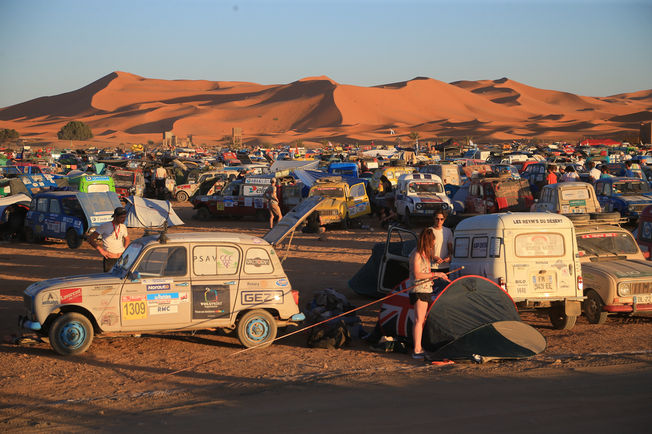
column 134, row 276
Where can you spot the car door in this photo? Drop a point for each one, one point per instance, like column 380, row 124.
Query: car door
column 357, row 202
column 394, row 266
column 158, row 296
column 54, row 226
column 601, row 188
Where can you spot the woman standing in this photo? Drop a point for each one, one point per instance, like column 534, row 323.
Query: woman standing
column 420, row 259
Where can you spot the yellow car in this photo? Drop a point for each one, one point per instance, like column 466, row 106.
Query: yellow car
column 345, row 200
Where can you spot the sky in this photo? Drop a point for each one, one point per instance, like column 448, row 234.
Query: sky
column 591, row 48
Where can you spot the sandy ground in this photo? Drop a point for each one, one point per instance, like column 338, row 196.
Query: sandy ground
column 591, row 377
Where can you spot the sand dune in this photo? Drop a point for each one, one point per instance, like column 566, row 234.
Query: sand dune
column 128, row 108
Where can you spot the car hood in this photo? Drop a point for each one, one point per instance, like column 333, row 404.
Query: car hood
column 74, row 281
column 639, row 198
column 631, row 268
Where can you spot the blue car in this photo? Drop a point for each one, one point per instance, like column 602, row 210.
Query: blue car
column 68, row 215
column 629, row 196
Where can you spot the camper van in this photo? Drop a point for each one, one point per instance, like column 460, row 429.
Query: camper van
column 533, row 256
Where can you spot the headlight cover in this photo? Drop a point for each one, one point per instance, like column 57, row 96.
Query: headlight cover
column 624, row 289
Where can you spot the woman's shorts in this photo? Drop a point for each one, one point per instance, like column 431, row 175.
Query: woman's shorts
column 423, row 296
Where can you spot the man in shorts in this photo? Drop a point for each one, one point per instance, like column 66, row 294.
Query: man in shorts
column 272, row 203
column 115, row 238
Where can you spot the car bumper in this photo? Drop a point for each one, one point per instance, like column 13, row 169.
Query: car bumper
column 26, row 324
column 627, row 308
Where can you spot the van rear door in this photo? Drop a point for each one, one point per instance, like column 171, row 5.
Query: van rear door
column 541, row 265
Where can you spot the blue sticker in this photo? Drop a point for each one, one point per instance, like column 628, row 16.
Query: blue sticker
column 282, row 282
column 170, row 296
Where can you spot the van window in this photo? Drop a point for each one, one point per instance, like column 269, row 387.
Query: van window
column 461, row 248
column 357, row 190
column 495, row 246
column 163, row 261
column 541, row 245
column 42, row 205
column 95, row 188
column 54, row 206
column 479, row 249
column 215, row 260
column 257, row 261
column 574, row 194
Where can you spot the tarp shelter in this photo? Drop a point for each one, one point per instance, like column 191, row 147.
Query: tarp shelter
column 470, row 318
column 294, row 164
column 148, row 213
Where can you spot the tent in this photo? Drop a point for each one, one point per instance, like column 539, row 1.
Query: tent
column 148, row 213
column 469, row 318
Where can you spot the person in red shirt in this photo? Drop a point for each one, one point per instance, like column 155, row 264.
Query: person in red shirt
column 551, row 178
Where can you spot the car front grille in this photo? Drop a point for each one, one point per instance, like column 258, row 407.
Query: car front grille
column 434, row 206
column 640, row 287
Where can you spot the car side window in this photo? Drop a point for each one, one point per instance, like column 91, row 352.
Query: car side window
column 54, row 206
column 357, row 190
column 257, row 261
column 461, row 247
column 215, row 260
column 164, row 261
column 42, row 204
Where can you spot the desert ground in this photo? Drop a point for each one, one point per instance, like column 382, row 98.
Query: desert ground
column 589, row 379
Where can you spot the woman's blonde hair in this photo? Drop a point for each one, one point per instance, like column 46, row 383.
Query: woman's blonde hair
column 426, row 243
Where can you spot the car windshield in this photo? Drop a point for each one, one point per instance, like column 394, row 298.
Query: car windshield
column 129, row 256
column 606, row 243
column 123, row 178
column 327, row 192
column 628, row 188
column 425, row 187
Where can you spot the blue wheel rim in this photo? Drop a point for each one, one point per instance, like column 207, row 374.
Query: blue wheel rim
column 257, row 329
column 73, row 335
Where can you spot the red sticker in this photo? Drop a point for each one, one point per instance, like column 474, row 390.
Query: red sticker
column 71, row 295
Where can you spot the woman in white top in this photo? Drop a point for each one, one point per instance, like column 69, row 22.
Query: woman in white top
column 570, row 175
column 421, row 278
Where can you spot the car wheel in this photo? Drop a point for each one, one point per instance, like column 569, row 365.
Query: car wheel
column 346, row 223
column 73, row 239
column 559, row 319
column 29, row 235
column 256, row 328
column 407, row 218
column 71, row 333
column 592, row 307
column 203, row 213
column 182, row 196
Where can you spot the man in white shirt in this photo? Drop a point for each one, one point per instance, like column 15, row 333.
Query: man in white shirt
column 594, row 173
column 115, row 238
column 443, row 244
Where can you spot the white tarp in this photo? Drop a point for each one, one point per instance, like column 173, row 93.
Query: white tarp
column 294, row 164
column 144, row 213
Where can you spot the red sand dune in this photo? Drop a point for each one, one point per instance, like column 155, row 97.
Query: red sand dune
column 123, row 107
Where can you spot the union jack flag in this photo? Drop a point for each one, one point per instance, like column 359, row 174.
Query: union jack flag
column 396, row 315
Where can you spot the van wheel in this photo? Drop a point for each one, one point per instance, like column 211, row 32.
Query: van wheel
column 203, row 214
column 592, row 307
column 406, row 218
column 73, row 239
column 256, row 328
column 71, row 333
column 182, row 196
column 559, row 319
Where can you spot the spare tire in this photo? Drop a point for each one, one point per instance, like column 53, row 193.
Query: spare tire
column 576, row 218
column 608, row 216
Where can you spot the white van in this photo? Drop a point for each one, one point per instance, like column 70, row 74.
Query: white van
column 533, row 256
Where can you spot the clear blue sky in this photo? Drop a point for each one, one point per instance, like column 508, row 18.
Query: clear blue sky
column 594, row 48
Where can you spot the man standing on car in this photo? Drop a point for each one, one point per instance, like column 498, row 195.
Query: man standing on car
column 272, row 203
column 115, row 238
column 443, row 244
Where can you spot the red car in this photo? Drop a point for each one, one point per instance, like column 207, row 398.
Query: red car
column 491, row 195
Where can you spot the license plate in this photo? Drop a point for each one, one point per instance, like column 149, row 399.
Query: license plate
column 578, row 202
column 544, row 282
column 643, row 299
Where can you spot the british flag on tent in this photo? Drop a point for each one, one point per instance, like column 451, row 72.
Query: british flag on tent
column 396, row 315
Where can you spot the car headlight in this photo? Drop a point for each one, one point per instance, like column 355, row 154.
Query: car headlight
column 444, row 206
column 419, row 205
column 624, row 289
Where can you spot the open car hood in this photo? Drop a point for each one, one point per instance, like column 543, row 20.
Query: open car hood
column 291, row 220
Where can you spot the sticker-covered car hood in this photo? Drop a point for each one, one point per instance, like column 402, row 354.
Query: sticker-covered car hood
column 74, row 281
column 635, row 199
column 631, row 268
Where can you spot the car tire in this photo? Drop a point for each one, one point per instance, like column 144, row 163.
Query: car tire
column 559, row 319
column 256, row 328
column 577, row 218
column 203, row 213
column 71, row 333
column 592, row 308
column 73, row 239
column 181, row 196
column 407, row 219
column 606, row 216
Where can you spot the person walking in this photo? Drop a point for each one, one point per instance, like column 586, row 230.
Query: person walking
column 551, row 177
column 570, row 175
column 272, row 203
column 443, row 244
column 115, row 238
column 420, row 279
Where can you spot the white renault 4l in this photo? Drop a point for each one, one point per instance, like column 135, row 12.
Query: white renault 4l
column 177, row 282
